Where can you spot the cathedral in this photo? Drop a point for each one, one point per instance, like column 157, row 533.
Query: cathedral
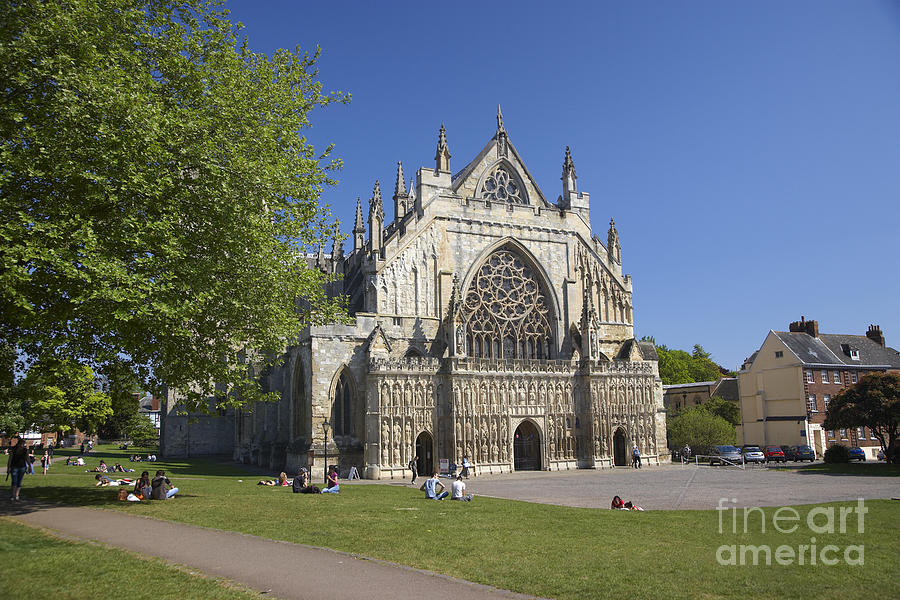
column 487, row 323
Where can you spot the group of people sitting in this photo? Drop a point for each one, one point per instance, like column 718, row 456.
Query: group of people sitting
column 457, row 489
column 74, row 462
column 104, row 468
column 301, row 485
column 138, row 458
column 619, row 504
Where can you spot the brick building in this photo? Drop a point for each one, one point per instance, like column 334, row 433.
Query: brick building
column 786, row 385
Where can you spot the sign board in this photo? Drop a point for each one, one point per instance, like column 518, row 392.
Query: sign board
column 445, row 466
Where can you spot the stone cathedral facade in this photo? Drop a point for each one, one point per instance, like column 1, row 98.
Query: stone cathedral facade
column 489, row 323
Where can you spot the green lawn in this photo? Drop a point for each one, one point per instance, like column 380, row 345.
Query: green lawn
column 869, row 469
column 536, row 549
column 39, row 565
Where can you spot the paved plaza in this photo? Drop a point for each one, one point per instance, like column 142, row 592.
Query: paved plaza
column 671, row 487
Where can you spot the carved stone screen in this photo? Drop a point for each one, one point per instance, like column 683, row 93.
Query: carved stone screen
column 505, row 313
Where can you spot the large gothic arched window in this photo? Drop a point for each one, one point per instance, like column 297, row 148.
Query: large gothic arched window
column 505, row 312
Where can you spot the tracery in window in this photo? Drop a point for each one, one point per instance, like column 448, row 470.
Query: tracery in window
column 505, row 313
column 501, row 186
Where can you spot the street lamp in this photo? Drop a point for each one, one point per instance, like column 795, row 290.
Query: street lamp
column 325, row 426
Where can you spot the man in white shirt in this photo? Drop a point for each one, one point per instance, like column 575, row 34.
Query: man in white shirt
column 458, row 490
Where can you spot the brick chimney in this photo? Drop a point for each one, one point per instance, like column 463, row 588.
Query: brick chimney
column 804, row 326
column 874, row 334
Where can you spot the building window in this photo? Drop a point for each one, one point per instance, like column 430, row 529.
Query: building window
column 861, row 433
column 779, row 354
column 341, row 415
column 827, row 400
column 872, row 435
column 831, row 434
column 854, row 377
column 810, row 378
column 837, row 377
column 854, row 354
column 824, row 376
column 843, row 433
column 811, row 403
column 501, row 186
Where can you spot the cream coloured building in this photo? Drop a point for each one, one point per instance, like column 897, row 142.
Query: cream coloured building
column 786, row 386
column 489, row 322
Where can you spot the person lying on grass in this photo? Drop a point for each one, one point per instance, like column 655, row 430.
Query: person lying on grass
column 104, row 481
column 282, row 480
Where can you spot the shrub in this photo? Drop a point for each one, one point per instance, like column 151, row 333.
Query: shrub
column 837, row 454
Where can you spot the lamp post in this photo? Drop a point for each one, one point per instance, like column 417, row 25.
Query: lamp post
column 325, row 425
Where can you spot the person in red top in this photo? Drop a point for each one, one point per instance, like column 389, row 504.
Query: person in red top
column 617, row 503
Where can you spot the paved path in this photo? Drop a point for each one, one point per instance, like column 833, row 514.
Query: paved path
column 284, row 570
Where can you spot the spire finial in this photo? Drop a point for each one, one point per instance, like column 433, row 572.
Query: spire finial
column 500, row 128
column 568, row 165
column 400, row 185
column 358, row 224
column 442, row 157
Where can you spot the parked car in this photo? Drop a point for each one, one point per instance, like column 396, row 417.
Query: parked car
column 753, row 454
column 722, row 455
column 774, row 454
column 805, row 453
column 790, row 452
column 857, row 453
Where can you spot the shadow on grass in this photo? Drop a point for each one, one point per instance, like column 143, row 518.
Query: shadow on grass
column 850, row 469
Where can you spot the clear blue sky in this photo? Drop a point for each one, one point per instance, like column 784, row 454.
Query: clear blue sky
column 749, row 152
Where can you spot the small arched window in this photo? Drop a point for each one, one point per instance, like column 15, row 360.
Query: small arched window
column 341, row 411
column 502, row 185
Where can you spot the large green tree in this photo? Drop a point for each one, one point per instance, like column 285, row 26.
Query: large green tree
column 678, row 366
column 12, row 418
column 873, row 402
column 700, row 429
column 61, row 395
column 157, row 194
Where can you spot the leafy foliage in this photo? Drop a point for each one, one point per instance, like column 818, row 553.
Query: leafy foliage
column 700, row 429
column 157, row 196
column 837, row 453
column 873, row 402
column 728, row 410
column 62, row 395
column 11, row 417
column 678, row 366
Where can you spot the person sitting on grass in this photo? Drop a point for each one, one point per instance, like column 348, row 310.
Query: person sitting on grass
column 142, row 486
column 332, row 487
column 161, row 488
column 101, row 469
column 458, row 490
column 617, row 503
column 429, row 488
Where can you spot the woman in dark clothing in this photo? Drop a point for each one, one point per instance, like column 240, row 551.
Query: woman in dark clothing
column 15, row 466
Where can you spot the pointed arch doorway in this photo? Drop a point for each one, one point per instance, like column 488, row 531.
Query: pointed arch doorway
column 619, row 453
column 425, row 452
column 527, row 448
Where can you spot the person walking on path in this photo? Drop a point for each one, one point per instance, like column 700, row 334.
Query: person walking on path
column 413, row 464
column 429, row 488
column 15, row 466
column 635, row 458
column 29, row 462
column 45, row 462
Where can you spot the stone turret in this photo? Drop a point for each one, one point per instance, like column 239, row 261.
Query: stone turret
column 359, row 229
column 613, row 246
column 442, row 157
column 400, row 196
column 376, row 220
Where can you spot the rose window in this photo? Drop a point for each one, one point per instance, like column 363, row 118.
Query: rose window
column 501, row 186
column 505, row 313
